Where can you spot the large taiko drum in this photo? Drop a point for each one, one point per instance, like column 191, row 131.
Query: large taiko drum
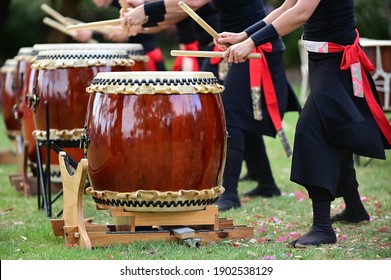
column 60, row 80
column 8, row 97
column 156, row 140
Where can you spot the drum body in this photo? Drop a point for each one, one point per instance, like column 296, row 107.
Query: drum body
column 27, row 117
column 60, row 79
column 24, row 59
column 157, row 140
column 8, row 97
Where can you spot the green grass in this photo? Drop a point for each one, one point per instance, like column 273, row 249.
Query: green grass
column 26, row 233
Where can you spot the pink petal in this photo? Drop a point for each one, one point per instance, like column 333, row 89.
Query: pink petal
column 294, row 235
column 342, row 237
column 281, row 239
column 261, row 229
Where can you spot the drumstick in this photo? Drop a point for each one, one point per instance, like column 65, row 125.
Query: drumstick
column 72, row 21
column 89, row 25
column 60, row 27
column 54, row 14
column 208, row 54
column 100, row 29
column 199, row 20
column 124, row 6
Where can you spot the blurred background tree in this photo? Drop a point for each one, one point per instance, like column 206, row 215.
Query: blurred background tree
column 21, row 24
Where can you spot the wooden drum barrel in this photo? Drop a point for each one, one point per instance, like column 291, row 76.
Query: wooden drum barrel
column 61, row 77
column 8, row 97
column 155, row 141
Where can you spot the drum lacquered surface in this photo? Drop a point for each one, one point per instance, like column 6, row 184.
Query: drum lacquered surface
column 60, row 79
column 156, row 138
column 8, row 92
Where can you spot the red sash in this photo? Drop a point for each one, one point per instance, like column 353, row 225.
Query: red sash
column 359, row 64
column 260, row 78
column 177, row 66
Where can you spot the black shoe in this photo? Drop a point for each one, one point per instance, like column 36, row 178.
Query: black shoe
column 315, row 237
column 346, row 218
column 225, row 204
column 263, row 191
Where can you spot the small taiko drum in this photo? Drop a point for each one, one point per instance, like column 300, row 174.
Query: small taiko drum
column 135, row 51
column 155, row 141
column 8, row 97
column 25, row 58
column 60, row 81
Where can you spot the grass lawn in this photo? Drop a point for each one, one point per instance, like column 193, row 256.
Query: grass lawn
column 26, row 233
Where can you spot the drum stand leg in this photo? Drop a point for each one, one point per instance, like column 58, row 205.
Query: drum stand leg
column 72, row 226
column 23, row 181
column 44, row 174
column 189, row 227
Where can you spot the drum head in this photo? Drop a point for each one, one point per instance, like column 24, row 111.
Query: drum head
column 156, row 82
column 55, row 59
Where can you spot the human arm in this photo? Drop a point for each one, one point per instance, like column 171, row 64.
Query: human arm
column 171, row 14
column 290, row 16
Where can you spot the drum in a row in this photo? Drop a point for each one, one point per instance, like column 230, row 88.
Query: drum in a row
column 8, row 97
column 155, row 141
column 58, row 74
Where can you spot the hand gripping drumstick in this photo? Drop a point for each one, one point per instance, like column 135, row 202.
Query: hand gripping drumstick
column 208, row 29
column 199, row 20
column 124, row 6
column 208, row 54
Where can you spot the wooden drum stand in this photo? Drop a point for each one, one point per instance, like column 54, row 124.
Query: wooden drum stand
column 192, row 227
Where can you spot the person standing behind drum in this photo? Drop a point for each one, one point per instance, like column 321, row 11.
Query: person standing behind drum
column 245, row 125
column 149, row 42
column 341, row 116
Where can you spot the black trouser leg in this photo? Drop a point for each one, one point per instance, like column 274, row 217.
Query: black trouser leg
column 348, row 189
column 321, row 231
column 230, row 199
column 256, row 150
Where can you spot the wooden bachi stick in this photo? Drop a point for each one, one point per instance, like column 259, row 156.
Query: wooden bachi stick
column 199, row 20
column 62, row 28
column 54, row 14
column 208, row 54
column 90, row 25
